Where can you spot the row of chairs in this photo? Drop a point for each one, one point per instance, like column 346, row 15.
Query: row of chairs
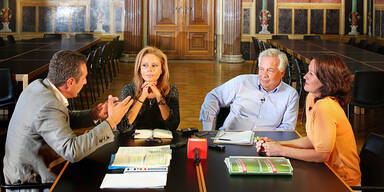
column 11, row 40
column 103, row 66
column 305, row 37
column 59, row 36
column 363, row 44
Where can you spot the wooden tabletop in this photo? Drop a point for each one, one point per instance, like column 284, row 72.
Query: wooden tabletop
column 357, row 59
column 29, row 58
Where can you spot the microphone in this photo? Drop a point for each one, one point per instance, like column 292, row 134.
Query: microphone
column 196, row 152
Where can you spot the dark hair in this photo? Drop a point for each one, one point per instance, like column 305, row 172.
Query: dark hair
column 336, row 78
column 64, row 65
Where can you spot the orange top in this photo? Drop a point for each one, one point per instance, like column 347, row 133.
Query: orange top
column 329, row 130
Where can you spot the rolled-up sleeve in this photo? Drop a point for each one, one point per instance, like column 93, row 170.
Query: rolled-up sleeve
column 218, row 97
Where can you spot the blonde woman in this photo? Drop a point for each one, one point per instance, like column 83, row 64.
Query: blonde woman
column 156, row 101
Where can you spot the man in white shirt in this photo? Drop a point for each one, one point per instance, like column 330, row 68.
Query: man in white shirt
column 257, row 102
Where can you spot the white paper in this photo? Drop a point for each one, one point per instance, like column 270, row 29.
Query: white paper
column 135, row 180
column 239, row 137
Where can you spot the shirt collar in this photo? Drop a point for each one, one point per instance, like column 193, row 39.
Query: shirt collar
column 276, row 89
column 58, row 94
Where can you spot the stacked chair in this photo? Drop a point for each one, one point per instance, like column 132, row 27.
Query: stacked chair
column 103, row 67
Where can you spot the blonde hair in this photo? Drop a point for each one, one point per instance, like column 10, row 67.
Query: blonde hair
column 162, row 82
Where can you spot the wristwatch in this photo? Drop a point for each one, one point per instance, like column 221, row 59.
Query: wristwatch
column 161, row 102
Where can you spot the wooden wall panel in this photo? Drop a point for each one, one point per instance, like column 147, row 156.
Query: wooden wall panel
column 317, row 24
column 78, row 19
column 332, row 21
column 62, row 19
column 118, row 19
column 246, row 17
column 377, row 23
column 29, row 19
column 382, row 24
column 285, row 21
column 301, row 21
column 46, row 16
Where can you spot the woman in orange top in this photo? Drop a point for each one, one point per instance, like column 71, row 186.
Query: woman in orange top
column 330, row 136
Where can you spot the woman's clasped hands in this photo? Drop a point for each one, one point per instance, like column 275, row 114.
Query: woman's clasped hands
column 268, row 146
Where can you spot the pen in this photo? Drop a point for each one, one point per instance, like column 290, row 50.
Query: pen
column 224, row 139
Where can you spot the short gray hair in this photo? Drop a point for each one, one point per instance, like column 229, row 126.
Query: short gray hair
column 64, row 65
column 283, row 60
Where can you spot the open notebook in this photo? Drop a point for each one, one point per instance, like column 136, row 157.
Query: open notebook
column 149, row 133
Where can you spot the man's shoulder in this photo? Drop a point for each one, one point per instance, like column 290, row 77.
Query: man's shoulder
column 38, row 92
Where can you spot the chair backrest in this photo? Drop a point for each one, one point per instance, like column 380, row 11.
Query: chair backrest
column 375, row 46
column 363, row 44
column 84, row 36
column 352, row 41
column 11, row 39
column 367, row 89
column 311, row 37
column 221, row 116
column 7, row 91
column 372, row 161
column 280, row 37
column 52, row 36
column 1, row 42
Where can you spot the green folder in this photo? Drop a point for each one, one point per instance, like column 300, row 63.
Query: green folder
column 255, row 165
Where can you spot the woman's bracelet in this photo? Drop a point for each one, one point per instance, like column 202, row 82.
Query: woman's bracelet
column 139, row 101
column 162, row 101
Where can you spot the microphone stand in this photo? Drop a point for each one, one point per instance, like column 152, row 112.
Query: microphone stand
column 199, row 171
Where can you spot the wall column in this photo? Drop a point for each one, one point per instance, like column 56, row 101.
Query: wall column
column 232, row 31
column 133, row 30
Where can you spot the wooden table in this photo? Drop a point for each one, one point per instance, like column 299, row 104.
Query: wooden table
column 29, row 58
column 88, row 174
column 356, row 59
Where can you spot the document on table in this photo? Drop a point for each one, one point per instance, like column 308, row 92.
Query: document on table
column 232, row 137
column 135, row 180
column 158, row 156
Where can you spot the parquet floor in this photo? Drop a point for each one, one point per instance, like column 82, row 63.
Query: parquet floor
column 194, row 79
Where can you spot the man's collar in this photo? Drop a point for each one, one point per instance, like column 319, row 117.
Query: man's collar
column 57, row 93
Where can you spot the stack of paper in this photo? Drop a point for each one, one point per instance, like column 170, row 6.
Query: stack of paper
column 142, row 167
column 135, row 180
column 239, row 165
column 237, row 138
